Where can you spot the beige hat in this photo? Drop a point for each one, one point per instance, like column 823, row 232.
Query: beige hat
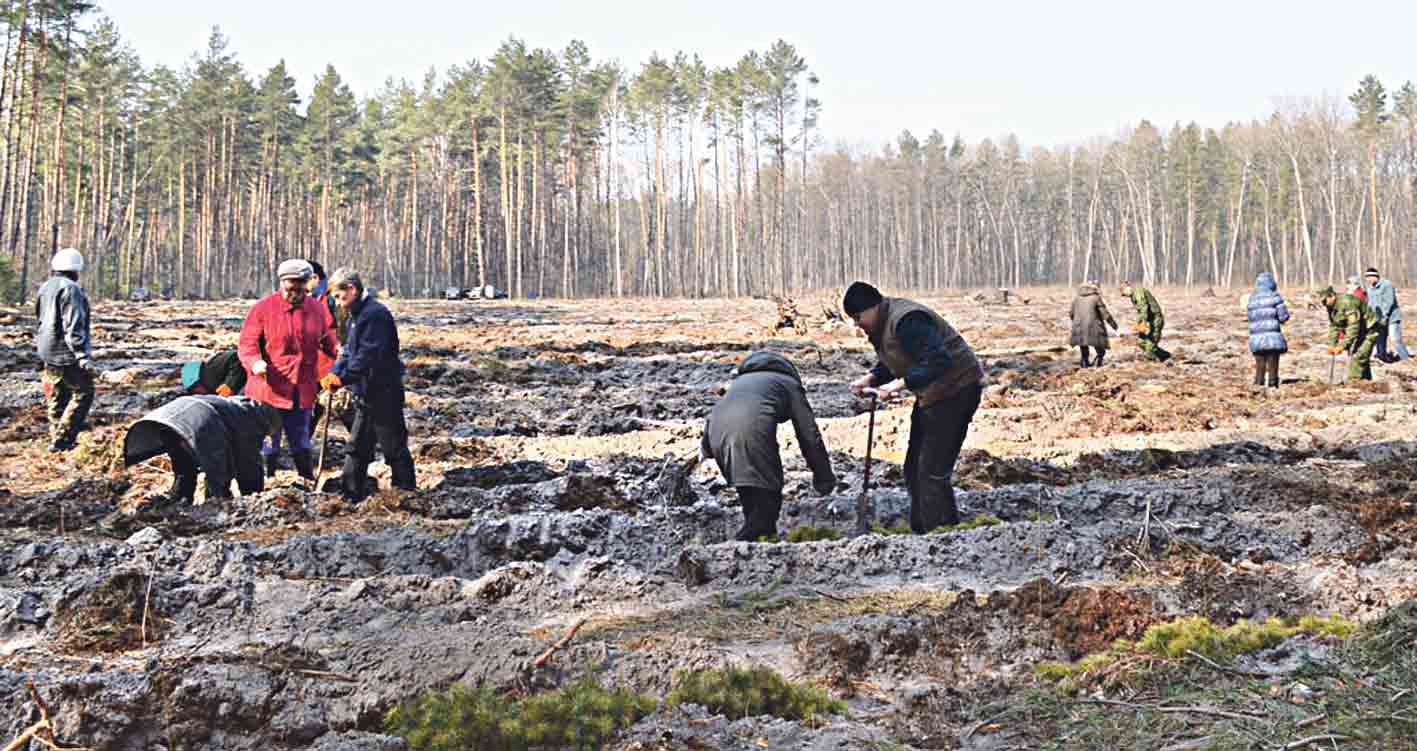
column 295, row 268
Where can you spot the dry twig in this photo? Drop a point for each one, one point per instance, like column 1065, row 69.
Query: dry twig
column 1302, row 742
column 545, row 657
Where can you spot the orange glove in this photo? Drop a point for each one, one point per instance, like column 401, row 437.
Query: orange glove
column 224, row 390
column 1335, row 350
column 331, row 382
column 1141, row 328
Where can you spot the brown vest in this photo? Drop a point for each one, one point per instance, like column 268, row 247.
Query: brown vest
column 964, row 371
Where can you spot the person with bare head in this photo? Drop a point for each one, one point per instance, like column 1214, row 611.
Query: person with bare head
column 917, row 350
column 281, row 341
column 369, row 366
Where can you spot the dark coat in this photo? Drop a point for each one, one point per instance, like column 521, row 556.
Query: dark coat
column 1090, row 319
column 1266, row 312
column 741, row 432
column 224, row 435
column 223, row 368
column 369, row 363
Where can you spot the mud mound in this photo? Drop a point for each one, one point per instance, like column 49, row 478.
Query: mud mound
column 1226, row 594
column 1083, row 619
column 78, row 505
column 112, row 616
column 454, row 449
column 978, row 470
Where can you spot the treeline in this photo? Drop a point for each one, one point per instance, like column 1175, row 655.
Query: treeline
column 549, row 173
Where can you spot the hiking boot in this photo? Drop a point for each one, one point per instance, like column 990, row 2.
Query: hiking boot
column 304, row 464
column 60, row 445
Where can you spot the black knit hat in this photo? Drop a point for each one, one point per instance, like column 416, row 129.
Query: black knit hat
column 1372, row 272
column 860, row 296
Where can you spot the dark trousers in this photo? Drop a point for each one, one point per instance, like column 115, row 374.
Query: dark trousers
column 378, row 419
column 936, row 436
column 1380, row 349
column 1267, row 368
column 1087, row 361
column 184, row 468
column 760, row 510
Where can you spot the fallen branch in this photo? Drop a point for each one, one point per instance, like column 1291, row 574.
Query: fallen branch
column 147, row 601
column 26, row 736
column 545, row 657
column 1302, row 742
column 1019, row 351
column 830, row 596
column 1234, row 671
column 326, row 674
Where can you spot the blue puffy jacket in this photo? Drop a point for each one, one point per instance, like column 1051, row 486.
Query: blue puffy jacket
column 1267, row 312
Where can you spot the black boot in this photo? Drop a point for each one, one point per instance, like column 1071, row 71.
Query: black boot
column 304, row 463
column 1097, row 362
column 271, row 460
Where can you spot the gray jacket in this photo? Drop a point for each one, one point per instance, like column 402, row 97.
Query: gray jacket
column 223, row 434
column 741, row 432
column 63, row 312
column 1382, row 298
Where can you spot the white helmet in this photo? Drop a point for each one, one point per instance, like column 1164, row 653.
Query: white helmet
column 67, row 259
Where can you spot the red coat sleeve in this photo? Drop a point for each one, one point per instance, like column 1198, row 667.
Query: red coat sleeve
column 248, row 347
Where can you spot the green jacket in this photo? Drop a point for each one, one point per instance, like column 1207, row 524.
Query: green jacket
column 1353, row 318
column 1148, row 309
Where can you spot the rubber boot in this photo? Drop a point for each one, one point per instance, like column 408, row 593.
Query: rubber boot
column 304, row 463
column 271, row 461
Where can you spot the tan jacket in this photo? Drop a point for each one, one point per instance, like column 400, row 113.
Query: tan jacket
column 964, row 371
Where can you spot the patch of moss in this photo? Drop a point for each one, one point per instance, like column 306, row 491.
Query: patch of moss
column 812, row 534
column 982, row 520
column 749, row 692
column 583, row 715
column 1193, row 635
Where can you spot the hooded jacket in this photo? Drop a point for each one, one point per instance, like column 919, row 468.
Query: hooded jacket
column 223, row 434
column 1090, row 318
column 1267, row 312
column 1383, row 299
column 741, row 432
column 63, row 312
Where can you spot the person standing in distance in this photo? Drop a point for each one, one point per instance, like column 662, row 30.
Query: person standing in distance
column 65, row 349
column 919, row 351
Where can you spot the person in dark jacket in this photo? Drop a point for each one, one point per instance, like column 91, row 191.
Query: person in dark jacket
column 1090, row 319
column 741, row 436
column 216, row 435
column 919, row 351
column 65, row 349
column 1267, row 312
column 369, row 366
column 221, row 374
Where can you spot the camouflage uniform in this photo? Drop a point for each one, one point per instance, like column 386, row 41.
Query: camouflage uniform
column 68, row 396
column 1149, row 313
column 1351, row 318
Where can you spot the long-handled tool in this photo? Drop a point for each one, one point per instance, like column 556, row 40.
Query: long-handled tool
column 1331, row 360
column 324, row 438
column 865, row 510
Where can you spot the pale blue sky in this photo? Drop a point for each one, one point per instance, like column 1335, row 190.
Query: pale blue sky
column 1050, row 72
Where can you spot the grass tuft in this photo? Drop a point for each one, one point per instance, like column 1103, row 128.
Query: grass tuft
column 749, row 692
column 812, row 534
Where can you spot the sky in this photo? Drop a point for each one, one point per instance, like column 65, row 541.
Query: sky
column 1050, row 73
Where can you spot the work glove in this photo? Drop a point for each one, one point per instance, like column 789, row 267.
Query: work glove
column 258, row 368
column 1140, row 328
column 331, row 382
column 224, row 390
column 88, row 366
column 824, row 483
column 1335, row 350
column 858, row 387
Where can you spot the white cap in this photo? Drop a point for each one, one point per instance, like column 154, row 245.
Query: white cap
column 67, row 259
column 295, row 268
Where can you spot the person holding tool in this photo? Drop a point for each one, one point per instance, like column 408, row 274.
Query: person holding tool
column 741, row 436
column 369, row 366
column 919, row 351
column 1352, row 328
column 65, row 349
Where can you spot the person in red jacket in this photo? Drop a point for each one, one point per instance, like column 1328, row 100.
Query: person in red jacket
column 280, row 345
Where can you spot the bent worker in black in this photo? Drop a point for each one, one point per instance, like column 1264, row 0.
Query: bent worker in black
column 919, row 351
column 216, row 435
column 741, row 436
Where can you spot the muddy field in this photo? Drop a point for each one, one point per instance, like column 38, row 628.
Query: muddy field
column 546, row 437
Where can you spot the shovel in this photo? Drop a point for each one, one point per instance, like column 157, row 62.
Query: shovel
column 324, row 439
column 1331, row 360
column 865, row 510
